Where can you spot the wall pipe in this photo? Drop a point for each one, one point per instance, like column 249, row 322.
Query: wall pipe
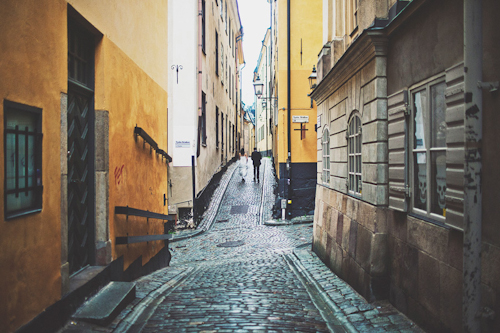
column 266, row 97
column 473, row 58
column 200, row 77
column 288, row 97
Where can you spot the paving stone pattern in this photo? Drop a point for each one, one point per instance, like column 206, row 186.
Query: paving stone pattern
column 243, row 276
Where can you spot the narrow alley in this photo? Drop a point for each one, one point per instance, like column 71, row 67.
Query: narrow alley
column 242, row 275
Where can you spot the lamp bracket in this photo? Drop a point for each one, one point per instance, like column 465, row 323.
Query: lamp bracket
column 492, row 86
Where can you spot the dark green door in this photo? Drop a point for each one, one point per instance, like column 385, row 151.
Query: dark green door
column 81, row 221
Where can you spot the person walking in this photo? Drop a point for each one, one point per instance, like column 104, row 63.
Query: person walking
column 243, row 164
column 256, row 157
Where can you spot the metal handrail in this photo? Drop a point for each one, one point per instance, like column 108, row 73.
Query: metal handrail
column 121, row 240
column 142, row 213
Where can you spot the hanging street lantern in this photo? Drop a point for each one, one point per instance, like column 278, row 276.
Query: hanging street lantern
column 258, row 86
column 312, row 78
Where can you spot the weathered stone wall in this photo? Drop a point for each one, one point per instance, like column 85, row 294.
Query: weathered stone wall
column 385, row 254
column 350, row 236
column 415, row 263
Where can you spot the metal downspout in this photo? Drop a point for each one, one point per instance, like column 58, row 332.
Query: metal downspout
column 200, row 22
column 473, row 58
column 288, row 98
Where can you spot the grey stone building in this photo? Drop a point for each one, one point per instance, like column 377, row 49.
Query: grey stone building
column 390, row 200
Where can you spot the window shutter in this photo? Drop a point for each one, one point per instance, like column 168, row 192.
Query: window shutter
column 399, row 191
column 455, row 112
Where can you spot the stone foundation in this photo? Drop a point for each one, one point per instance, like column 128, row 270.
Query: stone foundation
column 415, row 264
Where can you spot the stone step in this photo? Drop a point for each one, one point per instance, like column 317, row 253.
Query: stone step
column 107, row 304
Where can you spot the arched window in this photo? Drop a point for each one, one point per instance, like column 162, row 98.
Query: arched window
column 354, row 156
column 325, row 143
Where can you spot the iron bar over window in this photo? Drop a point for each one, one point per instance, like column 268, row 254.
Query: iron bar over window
column 354, row 155
column 23, row 159
column 326, row 156
column 203, row 119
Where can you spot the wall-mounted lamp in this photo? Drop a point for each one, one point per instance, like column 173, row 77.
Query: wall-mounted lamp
column 312, row 78
column 491, row 86
column 177, row 68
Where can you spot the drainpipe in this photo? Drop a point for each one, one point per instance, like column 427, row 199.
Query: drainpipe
column 289, row 159
column 200, row 22
column 473, row 66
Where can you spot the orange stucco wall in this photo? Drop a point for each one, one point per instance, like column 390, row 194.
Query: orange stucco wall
column 33, row 71
column 130, row 86
column 306, row 20
column 137, row 176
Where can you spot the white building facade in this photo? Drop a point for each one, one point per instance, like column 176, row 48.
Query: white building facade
column 205, row 54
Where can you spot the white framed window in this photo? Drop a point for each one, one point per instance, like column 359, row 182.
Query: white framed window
column 354, row 144
column 428, row 149
column 325, row 145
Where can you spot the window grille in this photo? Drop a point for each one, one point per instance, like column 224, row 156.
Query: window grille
column 217, row 127
column 22, row 159
column 325, row 143
column 216, row 53
column 203, row 14
column 203, row 119
column 354, row 156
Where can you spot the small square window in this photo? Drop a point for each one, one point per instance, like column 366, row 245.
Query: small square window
column 23, row 159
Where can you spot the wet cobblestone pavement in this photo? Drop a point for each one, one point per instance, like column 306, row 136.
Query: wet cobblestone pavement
column 242, row 276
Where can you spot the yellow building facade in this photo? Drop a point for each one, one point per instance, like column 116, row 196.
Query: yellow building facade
column 295, row 150
column 84, row 84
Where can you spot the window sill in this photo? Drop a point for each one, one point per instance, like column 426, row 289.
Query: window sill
column 355, row 195
column 429, row 220
column 354, row 32
column 23, row 213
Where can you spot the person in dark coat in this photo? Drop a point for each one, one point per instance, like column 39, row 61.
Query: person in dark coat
column 256, row 157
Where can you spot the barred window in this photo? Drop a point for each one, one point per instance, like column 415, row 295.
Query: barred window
column 222, row 130
column 203, row 119
column 222, row 62
column 325, row 144
column 216, row 53
column 216, row 127
column 23, row 159
column 354, row 155
column 203, row 25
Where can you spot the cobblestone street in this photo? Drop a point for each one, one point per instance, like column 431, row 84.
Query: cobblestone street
column 236, row 274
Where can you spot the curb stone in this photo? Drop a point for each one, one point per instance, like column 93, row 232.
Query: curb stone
column 349, row 307
column 295, row 220
column 211, row 213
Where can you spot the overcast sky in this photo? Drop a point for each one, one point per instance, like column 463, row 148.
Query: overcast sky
column 254, row 16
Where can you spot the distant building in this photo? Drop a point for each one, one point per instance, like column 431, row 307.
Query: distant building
column 248, row 131
column 264, row 104
column 294, row 136
column 205, row 54
column 392, row 213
